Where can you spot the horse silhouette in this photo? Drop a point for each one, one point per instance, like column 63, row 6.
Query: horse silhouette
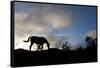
column 39, row 41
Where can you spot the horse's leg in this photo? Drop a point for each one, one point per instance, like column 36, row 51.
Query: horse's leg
column 48, row 46
column 31, row 46
column 41, row 46
column 38, row 47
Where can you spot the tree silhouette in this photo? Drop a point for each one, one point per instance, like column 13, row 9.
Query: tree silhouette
column 66, row 46
column 90, row 41
column 62, row 45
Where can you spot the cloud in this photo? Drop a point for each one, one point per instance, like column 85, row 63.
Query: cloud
column 23, row 27
column 40, row 21
column 57, row 21
column 92, row 34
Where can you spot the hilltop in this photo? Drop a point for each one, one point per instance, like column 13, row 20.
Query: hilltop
column 53, row 56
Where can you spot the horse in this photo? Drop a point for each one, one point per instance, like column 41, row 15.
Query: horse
column 39, row 41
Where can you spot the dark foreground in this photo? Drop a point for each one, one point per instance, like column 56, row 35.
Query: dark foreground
column 53, row 56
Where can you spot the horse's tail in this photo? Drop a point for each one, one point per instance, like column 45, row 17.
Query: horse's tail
column 27, row 40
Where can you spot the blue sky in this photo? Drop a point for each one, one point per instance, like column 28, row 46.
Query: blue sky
column 73, row 22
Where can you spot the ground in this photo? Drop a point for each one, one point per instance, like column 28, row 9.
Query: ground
column 53, row 56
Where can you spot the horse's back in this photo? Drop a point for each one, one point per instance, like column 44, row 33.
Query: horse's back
column 37, row 39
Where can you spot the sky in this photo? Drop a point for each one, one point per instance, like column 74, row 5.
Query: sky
column 54, row 22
